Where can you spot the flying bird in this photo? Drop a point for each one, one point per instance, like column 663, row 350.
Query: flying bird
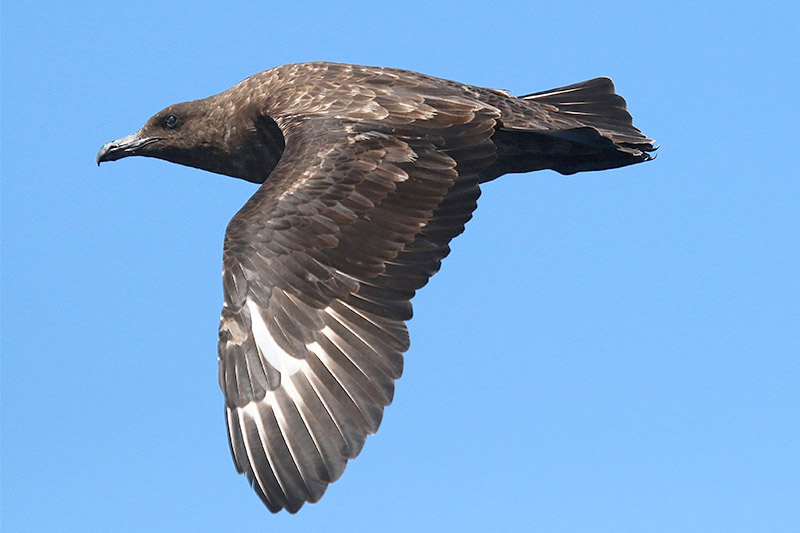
column 366, row 175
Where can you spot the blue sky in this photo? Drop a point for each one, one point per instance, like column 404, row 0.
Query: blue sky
column 614, row 351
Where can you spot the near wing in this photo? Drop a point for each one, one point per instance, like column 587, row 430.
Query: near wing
column 319, row 269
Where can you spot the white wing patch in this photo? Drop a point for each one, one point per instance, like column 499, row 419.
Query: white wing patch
column 267, row 347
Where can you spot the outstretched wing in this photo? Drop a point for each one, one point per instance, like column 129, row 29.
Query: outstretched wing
column 319, row 269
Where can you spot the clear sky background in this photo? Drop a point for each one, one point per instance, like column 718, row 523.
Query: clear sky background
column 614, row 351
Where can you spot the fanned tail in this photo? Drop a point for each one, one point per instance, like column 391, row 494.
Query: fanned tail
column 591, row 130
column 595, row 103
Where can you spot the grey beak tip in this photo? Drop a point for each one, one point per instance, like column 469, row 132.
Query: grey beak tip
column 101, row 154
column 124, row 147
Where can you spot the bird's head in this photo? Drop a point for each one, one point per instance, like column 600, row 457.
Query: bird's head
column 171, row 134
column 206, row 134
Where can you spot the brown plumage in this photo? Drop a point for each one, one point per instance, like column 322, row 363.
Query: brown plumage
column 367, row 174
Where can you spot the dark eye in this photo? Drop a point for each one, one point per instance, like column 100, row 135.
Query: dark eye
column 171, row 121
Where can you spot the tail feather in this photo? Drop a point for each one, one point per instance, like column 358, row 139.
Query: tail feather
column 601, row 133
column 594, row 103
